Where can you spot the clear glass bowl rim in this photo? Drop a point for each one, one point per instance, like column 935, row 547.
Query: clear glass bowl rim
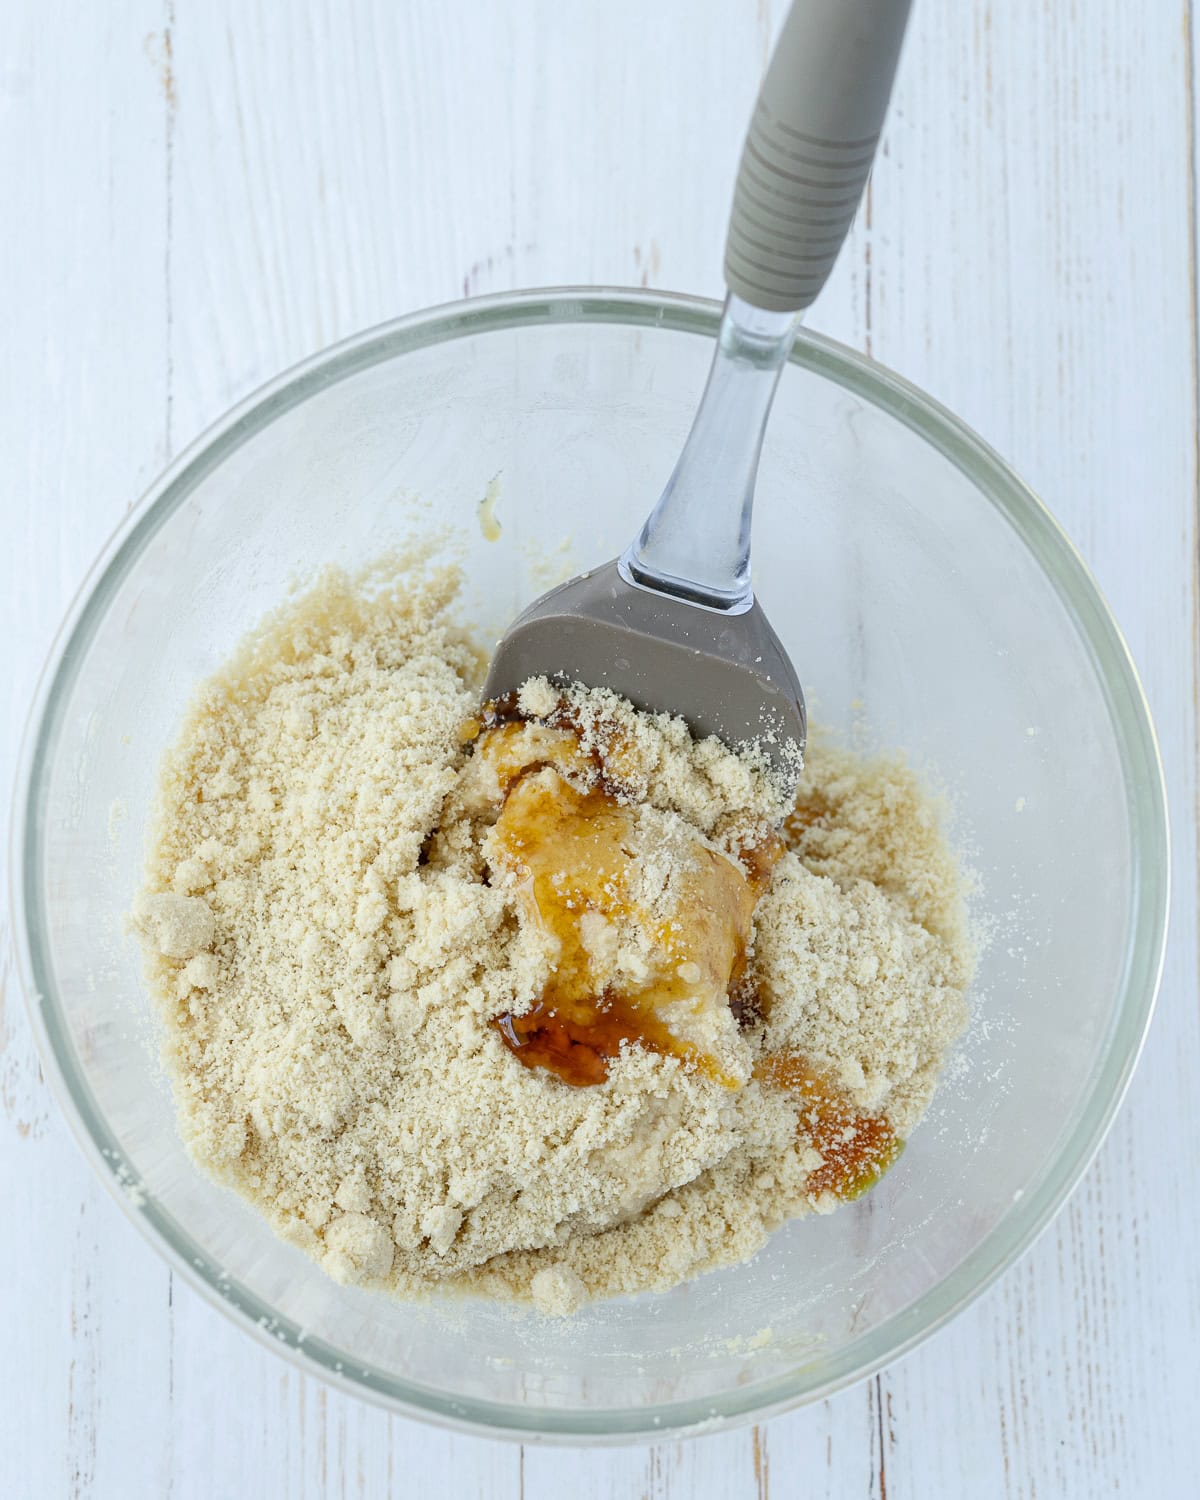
column 1132, row 727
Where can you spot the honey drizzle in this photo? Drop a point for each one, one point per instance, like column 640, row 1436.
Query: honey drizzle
column 572, row 852
column 577, row 1043
column 856, row 1149
column 575, row 1029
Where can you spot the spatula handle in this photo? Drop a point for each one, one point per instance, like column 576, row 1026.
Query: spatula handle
column 810, row 147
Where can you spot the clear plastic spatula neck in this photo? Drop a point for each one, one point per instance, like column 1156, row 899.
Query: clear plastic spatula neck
column 695, row 543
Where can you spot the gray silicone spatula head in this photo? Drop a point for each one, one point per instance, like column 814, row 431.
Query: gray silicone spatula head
column 673, row 625
column 725, row 674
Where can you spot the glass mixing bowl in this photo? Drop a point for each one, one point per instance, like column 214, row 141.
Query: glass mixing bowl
column 922, row 591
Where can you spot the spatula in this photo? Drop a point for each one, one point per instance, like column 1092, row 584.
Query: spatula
column 673, row 624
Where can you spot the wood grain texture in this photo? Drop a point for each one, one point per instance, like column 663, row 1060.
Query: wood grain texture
column 200, row 194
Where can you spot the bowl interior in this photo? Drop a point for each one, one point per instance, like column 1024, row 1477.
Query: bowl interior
column 928, row 603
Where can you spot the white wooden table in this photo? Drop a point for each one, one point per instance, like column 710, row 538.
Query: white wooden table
column 196, row 193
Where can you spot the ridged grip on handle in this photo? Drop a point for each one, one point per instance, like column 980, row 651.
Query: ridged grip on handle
column 810, row 147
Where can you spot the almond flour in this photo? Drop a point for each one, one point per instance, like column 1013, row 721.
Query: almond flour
column 332, row 931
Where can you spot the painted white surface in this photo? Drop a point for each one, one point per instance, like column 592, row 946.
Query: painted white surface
column 199, row 192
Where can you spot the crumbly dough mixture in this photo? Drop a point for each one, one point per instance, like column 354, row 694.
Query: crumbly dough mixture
column 338, row 926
